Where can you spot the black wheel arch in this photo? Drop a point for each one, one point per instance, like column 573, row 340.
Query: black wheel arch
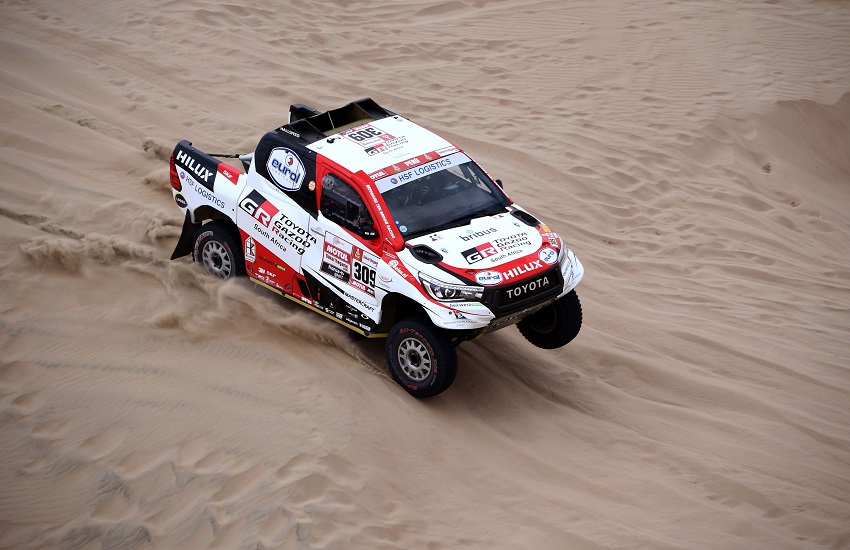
column 194, row 220
column 396, row 307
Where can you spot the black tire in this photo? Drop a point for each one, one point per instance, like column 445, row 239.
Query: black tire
column 421, row 357
column 219, row 250
column 555, row 325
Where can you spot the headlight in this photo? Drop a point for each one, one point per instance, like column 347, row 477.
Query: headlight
column 447, row 292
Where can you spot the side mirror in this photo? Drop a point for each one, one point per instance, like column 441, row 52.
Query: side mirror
column 500, row 184
column 368, row 232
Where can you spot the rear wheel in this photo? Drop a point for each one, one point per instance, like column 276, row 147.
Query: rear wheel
column 421, row 357
column 218, row 249
column 555, row 325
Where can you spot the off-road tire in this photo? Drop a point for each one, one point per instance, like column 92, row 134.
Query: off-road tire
column 421, row 357
column 555, row 325
column 218, row 249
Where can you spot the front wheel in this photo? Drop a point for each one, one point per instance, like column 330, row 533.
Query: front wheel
column 555, row 325
column 218, row 250
column 421, row 357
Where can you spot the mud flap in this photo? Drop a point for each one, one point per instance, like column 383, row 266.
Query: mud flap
column 184, row 244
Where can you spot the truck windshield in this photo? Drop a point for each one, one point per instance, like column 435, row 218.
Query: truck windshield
column 423, row 201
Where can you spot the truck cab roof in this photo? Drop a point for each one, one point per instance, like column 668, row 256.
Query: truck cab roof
column 363, row 136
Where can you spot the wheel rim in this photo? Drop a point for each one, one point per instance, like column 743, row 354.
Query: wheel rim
column 217, row 260
column 544, row 321
column 414, row 359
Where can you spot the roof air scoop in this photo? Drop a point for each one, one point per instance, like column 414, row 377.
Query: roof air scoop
column 525, row 217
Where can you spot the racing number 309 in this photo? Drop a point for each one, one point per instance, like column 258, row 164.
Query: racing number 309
column 364, row 274
column 364, row 134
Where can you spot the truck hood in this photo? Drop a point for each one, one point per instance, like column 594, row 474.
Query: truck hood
column 491, row 250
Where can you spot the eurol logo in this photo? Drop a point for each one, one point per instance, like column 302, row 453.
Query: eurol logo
column 548, row 256
column 285, row 169
column 488, row 278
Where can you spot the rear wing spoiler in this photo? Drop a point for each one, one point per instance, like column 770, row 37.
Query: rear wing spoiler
column 311, row 125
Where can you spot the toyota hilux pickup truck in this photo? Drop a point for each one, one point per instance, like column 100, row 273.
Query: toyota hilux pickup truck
column 381, row 225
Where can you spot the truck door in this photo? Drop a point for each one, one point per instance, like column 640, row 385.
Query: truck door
column 271, row 216
column 344, row 261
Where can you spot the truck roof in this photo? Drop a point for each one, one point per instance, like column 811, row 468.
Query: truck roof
column 364, row 136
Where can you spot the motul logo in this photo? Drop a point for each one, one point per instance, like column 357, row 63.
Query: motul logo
column 527, row 287
column 193, row 166
column 520, row 270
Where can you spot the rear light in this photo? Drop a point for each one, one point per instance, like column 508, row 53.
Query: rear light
column 175, row 179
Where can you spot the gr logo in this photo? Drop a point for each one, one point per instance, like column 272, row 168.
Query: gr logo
column 258, row 207
column 479, row 252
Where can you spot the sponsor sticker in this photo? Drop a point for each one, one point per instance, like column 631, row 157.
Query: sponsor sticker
column 275, row 226
column 349, row 264
column 413, row 169
column 381, row 212
column 394, row 264
column 527, row 288
column 228, row 172
column 471, row 235
column 180, row 200
column 251, row 250
column 369, row 137
column 201, row 168
column 204, row 192
column 285, row 169
column 527, row 267
column 498, row 249
column 548, row 256
column 488, row 278
column 479, row 252
column 259, row 208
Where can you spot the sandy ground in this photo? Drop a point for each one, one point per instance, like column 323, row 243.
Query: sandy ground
column 695, row 155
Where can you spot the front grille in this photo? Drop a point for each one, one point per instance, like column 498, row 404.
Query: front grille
column 525, row 293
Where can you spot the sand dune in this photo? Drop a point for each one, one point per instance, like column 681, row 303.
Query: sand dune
column 695, row 155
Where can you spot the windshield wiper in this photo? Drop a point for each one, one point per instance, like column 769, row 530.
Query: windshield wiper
column 457, row 222
column 492, row 211
column 463, row 220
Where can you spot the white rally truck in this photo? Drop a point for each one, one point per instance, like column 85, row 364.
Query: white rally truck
column 384, row 227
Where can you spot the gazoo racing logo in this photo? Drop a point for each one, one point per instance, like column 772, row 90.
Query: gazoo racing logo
column 479, row 252
column 285, row 169
column 258, row 207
